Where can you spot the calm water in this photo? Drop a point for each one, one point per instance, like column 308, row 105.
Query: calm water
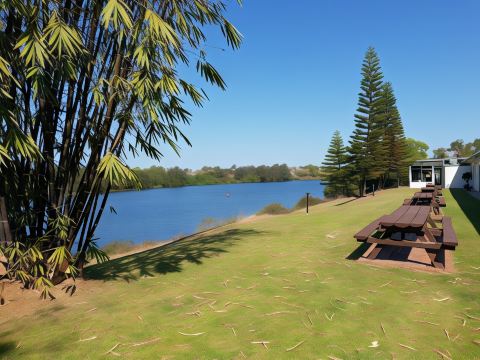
column 161, row 214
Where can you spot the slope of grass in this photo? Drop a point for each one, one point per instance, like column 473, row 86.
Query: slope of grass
column 284, row 281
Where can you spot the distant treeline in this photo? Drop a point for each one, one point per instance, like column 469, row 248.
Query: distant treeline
column 157, row 176
column 458, row 148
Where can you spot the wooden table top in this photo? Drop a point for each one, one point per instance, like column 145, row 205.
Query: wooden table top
column 428, row 189
column 407, row 216
column 423, row 195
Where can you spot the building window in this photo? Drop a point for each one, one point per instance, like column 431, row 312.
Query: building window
column 416, row 173
column 421, row 174
column 427, row 175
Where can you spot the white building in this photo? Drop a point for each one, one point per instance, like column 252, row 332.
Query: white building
column 445, row 172
column 474, row 161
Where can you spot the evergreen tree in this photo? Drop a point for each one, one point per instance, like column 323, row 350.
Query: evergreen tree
column 335, row 168
column 394, row 136
column 366, row 148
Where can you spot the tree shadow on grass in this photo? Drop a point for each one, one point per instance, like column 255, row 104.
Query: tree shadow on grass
column 469, row 205
column 168, row 258
column 6, row 347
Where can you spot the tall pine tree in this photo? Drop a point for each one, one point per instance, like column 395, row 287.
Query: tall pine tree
column 335, row 168
column 366, row 148
column 393, row 138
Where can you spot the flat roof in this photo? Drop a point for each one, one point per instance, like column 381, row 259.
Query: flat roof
column 428, row 162
column 439, row 162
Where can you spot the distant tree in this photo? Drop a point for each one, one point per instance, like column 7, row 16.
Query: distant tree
column 394, row 136
column 176, row 177
column 476, row 145
column 416, row 150
column 280, row 172
column 440, row 153
column 457, row 147
column 246, row 174
column 313, row 171
column 366, row 148
column 468, row 149
column 335, row 173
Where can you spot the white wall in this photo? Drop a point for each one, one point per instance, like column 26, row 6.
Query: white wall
column 418, row 184
column 453, row 176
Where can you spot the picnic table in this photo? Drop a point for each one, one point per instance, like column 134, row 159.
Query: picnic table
column 435, row 189
column 423, row 195
column 427, row 199
column 411, row 226
column 428, row 189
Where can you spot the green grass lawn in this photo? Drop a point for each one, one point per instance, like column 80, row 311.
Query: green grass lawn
column 284, row 280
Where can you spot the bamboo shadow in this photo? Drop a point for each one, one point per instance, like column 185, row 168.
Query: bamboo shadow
column 168, row 258
column 469, row 205
column 6, row 347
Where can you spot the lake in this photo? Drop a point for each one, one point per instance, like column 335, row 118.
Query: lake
column 161, row 214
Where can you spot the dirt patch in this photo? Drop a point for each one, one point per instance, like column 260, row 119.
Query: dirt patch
column 20, row 302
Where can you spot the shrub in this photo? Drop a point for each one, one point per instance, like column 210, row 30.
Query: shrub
column 274, row 209
column 302, row 203
column 118, row 247
column 212, row 223
column 123, row 246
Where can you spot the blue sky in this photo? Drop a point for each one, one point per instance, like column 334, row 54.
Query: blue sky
column 296, row 78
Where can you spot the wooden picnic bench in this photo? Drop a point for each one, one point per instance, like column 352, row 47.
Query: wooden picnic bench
column 450, row 240
column 363, row 234
column 410, row 226
column 441, row 201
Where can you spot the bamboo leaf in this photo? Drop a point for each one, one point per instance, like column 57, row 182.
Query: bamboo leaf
column 210, row 74
column 161, row 29
column 63, row 38
column 4, row 158
column 115, row 172
column 233, row 36
column 117, row 12
column 22, row 143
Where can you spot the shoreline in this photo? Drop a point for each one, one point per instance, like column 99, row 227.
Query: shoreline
column 148, row 245
column 194, row 185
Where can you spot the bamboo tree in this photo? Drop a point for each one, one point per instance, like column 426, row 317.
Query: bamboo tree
column 84, row 83
column 366, row 148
